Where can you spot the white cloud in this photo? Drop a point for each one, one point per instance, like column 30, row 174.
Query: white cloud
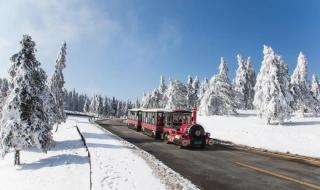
column 49, row 22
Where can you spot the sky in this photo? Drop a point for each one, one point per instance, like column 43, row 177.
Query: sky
column 121, row 47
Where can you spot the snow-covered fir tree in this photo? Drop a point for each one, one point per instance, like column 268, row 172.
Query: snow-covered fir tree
column 146, row 101
column 251, row 78
column 315, row 87
column 303, row 99
column 244, row 83
column 240, row 82
column 193, row 88
column 86, row 107
column 177, row 95
column 162, row 93
column 156, row 98
column 24, row 122
column 99, row 105
column 94, row 104
column 272, row 90
column 219, row 97
column 57, row 85
column 203, row 87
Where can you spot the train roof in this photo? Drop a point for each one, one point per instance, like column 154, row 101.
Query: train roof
column 159, row 110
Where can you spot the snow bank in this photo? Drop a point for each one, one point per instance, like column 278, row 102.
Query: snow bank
column 299, row 136
column 64, row 167
column 117, row 164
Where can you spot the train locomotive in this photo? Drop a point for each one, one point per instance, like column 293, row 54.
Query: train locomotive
column 173, row 126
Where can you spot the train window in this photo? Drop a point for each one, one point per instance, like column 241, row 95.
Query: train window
column 139, row 115
column 153, row 118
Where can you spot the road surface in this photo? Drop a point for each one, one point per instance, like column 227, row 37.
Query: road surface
column 223, row 167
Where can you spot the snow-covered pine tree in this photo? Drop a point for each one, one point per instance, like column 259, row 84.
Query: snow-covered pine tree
column 99, row 105
column 156, row 98
column 303, row 99
column 137, row 104
column 315, row 87
column 146, row 101
column 25, row 122
column 93, row 104
column 251, row 81
column 244, row 83
column 57, row 86
column 219, row 97
column 196, row 86
column 162, row 93
column 177, row 95
column 86, row 107
column 272, row 90
column 193, row 88
column 240, row 83
column 203, row 87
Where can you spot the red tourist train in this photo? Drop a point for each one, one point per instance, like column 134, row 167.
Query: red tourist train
column 174, row 126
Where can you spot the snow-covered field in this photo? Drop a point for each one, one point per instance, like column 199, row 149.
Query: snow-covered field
column 65, row 167
column 299, row 136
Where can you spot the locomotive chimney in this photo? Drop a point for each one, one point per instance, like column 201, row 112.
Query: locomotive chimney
column 194, row 115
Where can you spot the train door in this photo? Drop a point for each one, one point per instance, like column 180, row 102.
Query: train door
column 160, row 118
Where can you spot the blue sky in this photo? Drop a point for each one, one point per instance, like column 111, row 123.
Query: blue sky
column 120, row 48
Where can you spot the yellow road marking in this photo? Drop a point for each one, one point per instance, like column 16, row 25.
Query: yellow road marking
column 280, row 176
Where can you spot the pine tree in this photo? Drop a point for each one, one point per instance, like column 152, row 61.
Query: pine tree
column 146, row 101
column 244, row 83
column 25, row 122
column 272, row 90
column 240, row 83
column 192, row 87
column 315, row 87
column 57, row 86
column 99, row 105
column 219, row 97
column 303, row 99
column 162, row 93
column 251, row 81
column 86, row 107
column 93, row 105
column 203, row 87
column 177, row 95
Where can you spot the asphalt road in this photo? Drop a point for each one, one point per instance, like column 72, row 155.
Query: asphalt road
column 223, row 167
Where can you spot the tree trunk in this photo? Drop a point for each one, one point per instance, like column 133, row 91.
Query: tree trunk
column 57, row 128
column 17, row 157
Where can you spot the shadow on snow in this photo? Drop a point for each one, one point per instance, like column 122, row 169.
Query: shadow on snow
column 59, row 160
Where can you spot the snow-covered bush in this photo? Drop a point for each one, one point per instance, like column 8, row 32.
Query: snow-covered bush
column 272, row 90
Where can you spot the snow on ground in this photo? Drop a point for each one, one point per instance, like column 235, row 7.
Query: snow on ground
column 65, row 167
column 117, row 164
column 299, row 136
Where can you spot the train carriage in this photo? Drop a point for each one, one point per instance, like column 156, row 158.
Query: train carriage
column 134, row 119
column 152, row 122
